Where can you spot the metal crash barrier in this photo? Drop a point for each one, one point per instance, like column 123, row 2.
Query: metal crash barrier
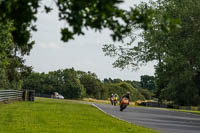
column 10, row 95
column 17, row 95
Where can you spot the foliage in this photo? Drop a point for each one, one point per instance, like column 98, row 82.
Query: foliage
column 78, row 15
column 6, row 43
column 65, row 82
column 132, row 55
column 11, row 67
column 175, row 51
column 98, row 15
column 177, row 72
column 148, row 95
column 94, row 87
column 74, row 84
column 147, row 82
column 19, row 17
column 124, row 87
column 135, row 84
column 22, row 14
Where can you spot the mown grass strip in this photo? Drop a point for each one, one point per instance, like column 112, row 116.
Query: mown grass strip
column 60, row 116
column 186, row 111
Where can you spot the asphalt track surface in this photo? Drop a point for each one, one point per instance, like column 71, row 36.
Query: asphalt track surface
column 162, row 120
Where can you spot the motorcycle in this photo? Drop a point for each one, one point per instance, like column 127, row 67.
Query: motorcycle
column 115, row 102
column 124, row 103
column 111, row 101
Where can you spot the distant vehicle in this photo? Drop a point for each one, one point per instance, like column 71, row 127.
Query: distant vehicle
column 58, row 96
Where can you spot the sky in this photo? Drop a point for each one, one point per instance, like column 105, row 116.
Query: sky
column 83, row 53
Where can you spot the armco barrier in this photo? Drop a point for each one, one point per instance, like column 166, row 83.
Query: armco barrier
column 10, row 95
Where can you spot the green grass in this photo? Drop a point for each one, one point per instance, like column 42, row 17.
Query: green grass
column 186, row 111
column 59, row 116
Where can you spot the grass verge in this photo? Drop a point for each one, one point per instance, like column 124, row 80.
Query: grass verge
column 60, row 116
column 186, row 111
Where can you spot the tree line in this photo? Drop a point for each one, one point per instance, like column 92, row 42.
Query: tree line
column 170, row 34
column 75, row 84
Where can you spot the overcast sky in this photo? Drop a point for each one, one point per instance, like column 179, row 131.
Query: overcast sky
column 84, row 53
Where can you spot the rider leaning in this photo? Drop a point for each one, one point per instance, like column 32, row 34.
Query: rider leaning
column 127, row 95
column 111, row 97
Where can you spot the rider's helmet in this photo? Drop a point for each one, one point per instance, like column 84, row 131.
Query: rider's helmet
column 128, row 93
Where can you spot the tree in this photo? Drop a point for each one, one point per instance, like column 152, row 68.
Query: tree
column 71, row 86
column 94, row 14
column 135, row 84
column 134, row 93
column 11, row 67
column 146, row 93
column 65, row 82
column 6, row 43
column 147, row 82
column 122, row 88
column 78, row 14
column 176, row 51
column 94, row 87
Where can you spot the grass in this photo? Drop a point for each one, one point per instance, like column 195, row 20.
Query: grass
column 186, row 111
column 60, row 116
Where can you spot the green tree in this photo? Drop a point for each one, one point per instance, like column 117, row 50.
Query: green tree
column 94, row 14
column 11, row 67
column 64, row 81
column 147, row 82
column 78, row 14
column 146, row 93
column 176, row 51
column 6, row 45
column 122, row 88
column 94, row 87
column 71, row 87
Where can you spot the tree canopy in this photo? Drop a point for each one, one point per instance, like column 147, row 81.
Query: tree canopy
column 77, row 14
column 176, row 52
column 157, row 19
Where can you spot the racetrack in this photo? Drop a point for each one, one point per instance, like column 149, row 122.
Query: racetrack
column 162, row 120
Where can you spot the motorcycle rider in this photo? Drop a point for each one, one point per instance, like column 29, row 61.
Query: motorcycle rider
column 111, row 98
column 127, row 95
column 115, row 98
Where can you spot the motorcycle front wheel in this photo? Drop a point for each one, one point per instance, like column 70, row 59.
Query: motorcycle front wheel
column 122, row 107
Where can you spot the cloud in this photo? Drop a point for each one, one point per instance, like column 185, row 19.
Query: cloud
column 50, row 45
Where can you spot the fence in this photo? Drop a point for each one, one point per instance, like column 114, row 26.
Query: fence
column 10, row 95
